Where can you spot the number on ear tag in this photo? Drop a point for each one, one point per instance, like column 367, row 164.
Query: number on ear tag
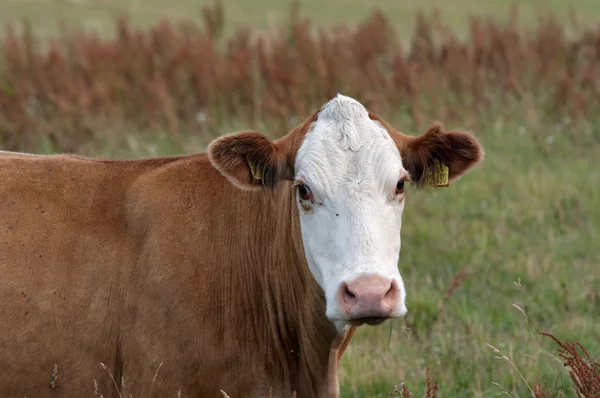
column 442, row 174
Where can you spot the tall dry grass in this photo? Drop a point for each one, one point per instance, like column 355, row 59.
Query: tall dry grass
column 184, row 78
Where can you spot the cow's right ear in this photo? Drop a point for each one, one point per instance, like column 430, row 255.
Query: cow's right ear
column 249, row 160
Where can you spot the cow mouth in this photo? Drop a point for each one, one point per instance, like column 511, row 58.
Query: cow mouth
column 371, row 321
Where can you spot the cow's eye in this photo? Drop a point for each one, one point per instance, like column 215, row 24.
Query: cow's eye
column 400, row 187
column 305, row 193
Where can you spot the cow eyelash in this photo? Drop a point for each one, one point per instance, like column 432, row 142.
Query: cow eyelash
column 303, row 190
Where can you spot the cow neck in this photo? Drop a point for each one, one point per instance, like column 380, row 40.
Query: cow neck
column 302, row 336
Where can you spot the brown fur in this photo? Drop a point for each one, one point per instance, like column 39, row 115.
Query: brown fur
column 165, row 272
column 459, row 151
column 232, row 155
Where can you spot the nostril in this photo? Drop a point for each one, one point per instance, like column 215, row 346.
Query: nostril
column 392, row 294
column 348, row 296
column 390, row 291
column 349, row 293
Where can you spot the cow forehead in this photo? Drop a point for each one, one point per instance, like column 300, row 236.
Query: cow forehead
column 345, row 146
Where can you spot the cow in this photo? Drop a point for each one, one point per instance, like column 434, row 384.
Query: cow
column 234, row 271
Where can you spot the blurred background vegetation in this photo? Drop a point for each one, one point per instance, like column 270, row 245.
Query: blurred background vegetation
column 264, row 14
column 506, row 252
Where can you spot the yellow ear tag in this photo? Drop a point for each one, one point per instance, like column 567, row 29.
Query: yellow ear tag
column 441, row 175
column 255, row 173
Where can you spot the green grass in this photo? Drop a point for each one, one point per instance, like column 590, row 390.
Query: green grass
column 265, row 14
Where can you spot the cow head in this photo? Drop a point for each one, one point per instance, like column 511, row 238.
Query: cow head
column 350, row 170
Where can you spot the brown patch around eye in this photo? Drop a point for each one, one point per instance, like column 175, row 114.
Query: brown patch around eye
column 307, row 206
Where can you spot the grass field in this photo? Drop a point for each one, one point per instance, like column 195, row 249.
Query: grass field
column 524, row 224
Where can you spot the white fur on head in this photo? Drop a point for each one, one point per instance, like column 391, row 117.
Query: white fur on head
column 352, row 227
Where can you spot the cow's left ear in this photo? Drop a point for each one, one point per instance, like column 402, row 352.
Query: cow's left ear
column 459, row 151
column 249, row 160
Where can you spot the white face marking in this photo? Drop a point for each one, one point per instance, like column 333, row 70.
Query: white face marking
column 351, row 228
